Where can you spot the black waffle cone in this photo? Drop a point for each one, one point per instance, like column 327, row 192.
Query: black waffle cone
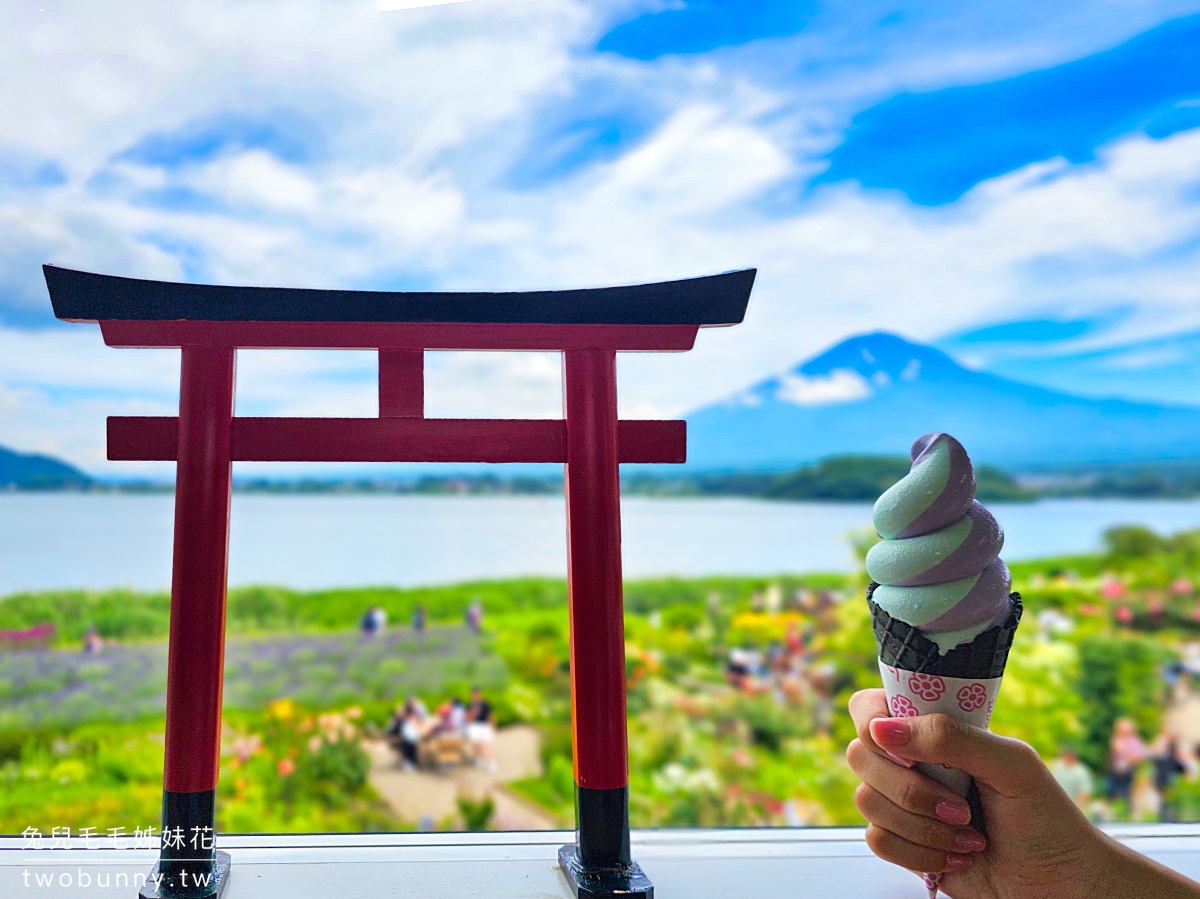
column 903, row 646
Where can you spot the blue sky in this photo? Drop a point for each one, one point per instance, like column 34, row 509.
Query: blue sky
column 1016, row 182
column 935, row 146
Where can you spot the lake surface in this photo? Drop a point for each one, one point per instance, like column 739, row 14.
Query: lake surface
column 308, row 542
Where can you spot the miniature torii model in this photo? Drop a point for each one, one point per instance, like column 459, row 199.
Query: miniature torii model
column 210, row 323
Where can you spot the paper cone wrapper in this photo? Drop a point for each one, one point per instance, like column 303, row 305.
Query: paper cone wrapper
column 969, row 699
column 963, row 683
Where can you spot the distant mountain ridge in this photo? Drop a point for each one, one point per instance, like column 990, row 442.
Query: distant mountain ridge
column 34, row 471
column 875, row 393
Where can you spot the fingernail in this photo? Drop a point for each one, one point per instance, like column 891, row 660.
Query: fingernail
column 970, row 841
column 907, row 763
column 956, row 862
column 953, row 812
column 892, row 731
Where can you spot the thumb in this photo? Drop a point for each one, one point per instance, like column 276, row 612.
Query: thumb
column 1007, row 766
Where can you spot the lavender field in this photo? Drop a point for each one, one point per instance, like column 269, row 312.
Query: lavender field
column 47, row 688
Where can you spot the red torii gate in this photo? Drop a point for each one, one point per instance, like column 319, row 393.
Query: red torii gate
column 210, row 323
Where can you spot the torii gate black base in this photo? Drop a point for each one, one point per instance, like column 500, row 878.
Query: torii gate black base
column 210, row 323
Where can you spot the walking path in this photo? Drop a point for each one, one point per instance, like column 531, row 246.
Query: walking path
column 418, row 795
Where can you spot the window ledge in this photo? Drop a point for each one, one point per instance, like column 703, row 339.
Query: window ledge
column 831, row 863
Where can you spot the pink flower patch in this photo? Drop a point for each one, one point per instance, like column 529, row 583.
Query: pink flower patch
column 1112, row 589
column 894, row 673
column 929, row 687
column 902, row 707
column 972, row 697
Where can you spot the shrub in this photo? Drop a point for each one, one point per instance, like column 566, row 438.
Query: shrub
column 1119, row 677
column 1132, row 542
column 476, row 813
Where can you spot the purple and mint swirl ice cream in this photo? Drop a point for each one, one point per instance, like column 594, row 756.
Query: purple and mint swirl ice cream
column 938, row 566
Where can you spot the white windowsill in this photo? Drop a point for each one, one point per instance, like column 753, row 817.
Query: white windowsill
column 722, row 864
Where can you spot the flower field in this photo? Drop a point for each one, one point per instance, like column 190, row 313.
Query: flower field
column 81, row 734
column 127, row 682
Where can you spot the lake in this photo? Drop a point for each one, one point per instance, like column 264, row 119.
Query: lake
column 308, row 542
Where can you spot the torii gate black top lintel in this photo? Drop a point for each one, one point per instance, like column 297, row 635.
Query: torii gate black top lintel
column 85, row 296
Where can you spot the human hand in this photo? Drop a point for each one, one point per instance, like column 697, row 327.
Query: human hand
column 1038, row 846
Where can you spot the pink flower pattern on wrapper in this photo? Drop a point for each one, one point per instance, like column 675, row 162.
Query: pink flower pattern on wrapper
column 972, row 697
column 902, row 707
column 929, row 687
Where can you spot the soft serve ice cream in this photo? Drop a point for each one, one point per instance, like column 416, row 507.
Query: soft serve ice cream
column 938, row 567
column 943, row 618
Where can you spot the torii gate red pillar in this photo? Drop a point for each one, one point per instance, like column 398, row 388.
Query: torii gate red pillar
column 196, row 654
column 210, row 323
column 598, row 722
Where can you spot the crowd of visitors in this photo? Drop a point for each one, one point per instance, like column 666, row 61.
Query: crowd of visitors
column 374, row 619
column 789, row 671
column 1142, row 777
column 455, row 733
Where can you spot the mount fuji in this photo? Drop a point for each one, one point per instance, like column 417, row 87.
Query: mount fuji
column 876, row 393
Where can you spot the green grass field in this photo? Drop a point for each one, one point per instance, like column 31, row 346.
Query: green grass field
column 81, row 735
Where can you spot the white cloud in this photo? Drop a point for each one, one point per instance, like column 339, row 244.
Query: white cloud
column 846, row 263
column 493, row 385
column 748, row 398
column 261, row 181
column 854, row 261
column 1147, row 358
column 422, row 113
column 842, row 385
column 392, row 5
column 75, row 358
column 36, row 421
